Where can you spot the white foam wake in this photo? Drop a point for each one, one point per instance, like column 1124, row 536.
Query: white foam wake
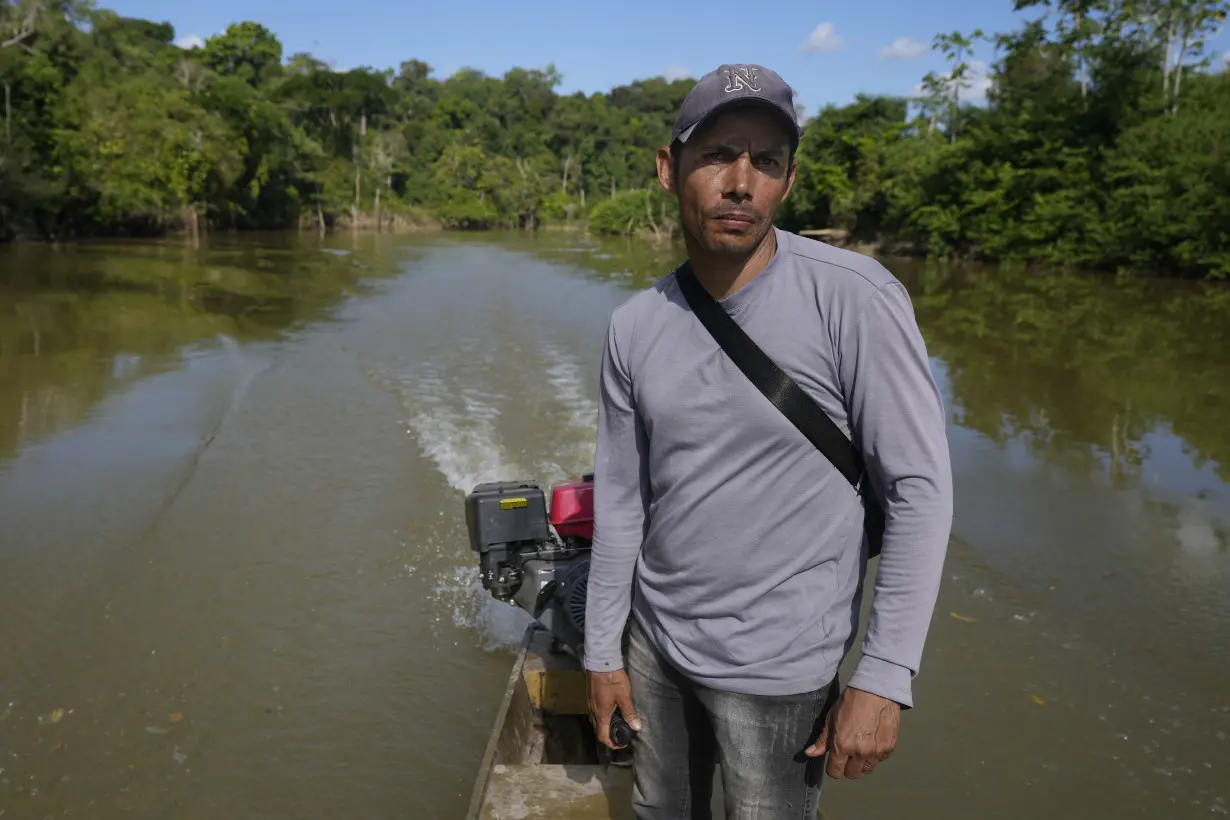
column 576, row 439
column 456, row 427
column 499, row 626
column 462, row 446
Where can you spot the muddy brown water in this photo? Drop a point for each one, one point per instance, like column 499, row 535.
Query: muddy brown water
column 234, row 579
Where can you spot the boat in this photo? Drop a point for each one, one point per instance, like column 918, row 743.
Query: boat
column 543, row 760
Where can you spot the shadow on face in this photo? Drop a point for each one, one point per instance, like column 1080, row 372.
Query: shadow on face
column 730, row 177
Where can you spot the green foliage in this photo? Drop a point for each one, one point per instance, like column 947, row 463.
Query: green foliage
column 113, row 129
column 645, row 210
column 1102, row 142
column 144, row 150
column 248, row 51
column 1174, row 211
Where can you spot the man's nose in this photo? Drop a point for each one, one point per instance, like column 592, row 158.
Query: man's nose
column 739, row 177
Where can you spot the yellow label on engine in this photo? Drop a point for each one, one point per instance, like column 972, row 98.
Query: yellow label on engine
column 513, row 503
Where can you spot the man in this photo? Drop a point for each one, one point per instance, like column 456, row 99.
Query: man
column 732, row 542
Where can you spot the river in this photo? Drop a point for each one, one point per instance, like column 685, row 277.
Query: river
column 234, row 576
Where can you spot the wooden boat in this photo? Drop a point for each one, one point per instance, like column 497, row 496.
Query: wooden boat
column 542, row 760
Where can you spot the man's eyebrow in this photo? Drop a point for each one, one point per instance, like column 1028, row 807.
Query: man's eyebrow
column 730, row 143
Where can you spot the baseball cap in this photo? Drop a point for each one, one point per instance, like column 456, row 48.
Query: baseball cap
column 732, row 84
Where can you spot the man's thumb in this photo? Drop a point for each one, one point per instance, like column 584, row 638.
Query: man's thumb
column 821, row 745
column 629, row 713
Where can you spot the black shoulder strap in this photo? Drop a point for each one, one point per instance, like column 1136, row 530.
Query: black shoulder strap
column 781, row 390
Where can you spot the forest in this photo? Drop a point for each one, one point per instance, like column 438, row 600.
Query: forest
column 1103, row 142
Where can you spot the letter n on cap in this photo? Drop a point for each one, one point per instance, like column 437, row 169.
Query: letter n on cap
column 742, row 77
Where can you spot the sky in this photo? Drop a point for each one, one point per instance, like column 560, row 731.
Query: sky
column 828, row 51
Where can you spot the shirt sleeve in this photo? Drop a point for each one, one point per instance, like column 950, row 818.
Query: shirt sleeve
column 897, row 420
column 621, row 497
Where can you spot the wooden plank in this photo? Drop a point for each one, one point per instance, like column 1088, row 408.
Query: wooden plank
column 484, row 767
column 570, row 792
column 559, row 792
column 523, row 737
column 555, row 680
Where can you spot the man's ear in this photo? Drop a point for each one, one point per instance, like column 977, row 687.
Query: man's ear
column 666, row 176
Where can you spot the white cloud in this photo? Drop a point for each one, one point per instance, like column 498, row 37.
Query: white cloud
column 824, row 38
column 903, row 48
column 677, row 72
column 190, row 42
column 978, row 83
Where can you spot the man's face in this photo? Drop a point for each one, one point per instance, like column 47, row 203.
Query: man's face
column 732, row 177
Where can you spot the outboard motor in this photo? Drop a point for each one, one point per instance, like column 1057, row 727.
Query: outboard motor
column 533, row 559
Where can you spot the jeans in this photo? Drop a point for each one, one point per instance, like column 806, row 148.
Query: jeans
column 757, row 740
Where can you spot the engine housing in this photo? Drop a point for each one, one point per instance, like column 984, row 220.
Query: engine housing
column 535, row 560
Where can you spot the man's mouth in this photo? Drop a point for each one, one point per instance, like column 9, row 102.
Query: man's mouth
column 732, row 220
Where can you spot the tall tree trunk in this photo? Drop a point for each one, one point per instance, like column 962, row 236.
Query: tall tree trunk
column 191, row 216
column 952, row 117
column 358, row 170
column 653, row 224
column 388, row 183
column 1166, row 65
column 8, row 113
column 956, row 95
column 1178, row 72
column 1080, row 56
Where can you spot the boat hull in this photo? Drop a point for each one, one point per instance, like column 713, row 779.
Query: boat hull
column 542, row 760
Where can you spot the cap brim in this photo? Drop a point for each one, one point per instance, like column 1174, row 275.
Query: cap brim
column 795, row 128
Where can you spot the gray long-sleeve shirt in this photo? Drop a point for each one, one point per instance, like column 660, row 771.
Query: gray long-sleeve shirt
column 733, row 541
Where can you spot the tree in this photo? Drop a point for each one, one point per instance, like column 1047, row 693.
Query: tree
column 1080, row 23
column 247, row 50
column 956, row 47
column 1183, row 27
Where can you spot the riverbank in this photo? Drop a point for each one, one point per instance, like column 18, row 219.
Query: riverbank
column 420, row 221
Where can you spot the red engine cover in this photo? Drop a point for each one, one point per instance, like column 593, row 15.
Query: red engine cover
column 572, row 508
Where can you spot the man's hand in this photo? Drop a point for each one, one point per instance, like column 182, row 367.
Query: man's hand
column 861, row 733
column 608, row 690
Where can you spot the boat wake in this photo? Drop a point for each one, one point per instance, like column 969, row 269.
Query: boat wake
column 577, row 434
column 461, row 429
column 243, row 368
column 462, row 444
column 460, row 595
